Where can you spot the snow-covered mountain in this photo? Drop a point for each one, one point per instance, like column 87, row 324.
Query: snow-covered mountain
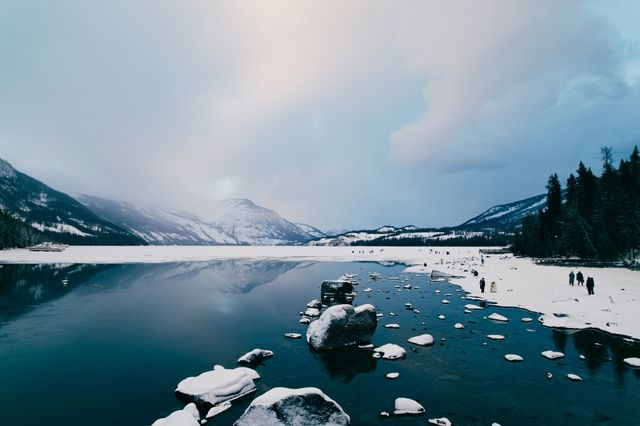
column 233, row 222
column 251, row 224
column 507, row 215
column 55, row 215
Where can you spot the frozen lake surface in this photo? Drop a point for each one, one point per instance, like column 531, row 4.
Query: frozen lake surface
column 107, row 344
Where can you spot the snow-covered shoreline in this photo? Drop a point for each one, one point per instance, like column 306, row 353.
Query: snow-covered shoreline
column 614, row 308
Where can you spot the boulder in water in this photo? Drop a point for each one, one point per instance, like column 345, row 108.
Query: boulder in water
column 404, row 406
column 219, row 385
column 254, row 357
column 342, row 325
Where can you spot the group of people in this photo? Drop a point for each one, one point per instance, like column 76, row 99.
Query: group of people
column 580, row 279
column 493, row 288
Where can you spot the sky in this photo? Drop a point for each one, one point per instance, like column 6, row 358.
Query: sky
column 339, row 114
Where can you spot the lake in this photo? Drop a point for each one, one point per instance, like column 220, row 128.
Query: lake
column 107, row 344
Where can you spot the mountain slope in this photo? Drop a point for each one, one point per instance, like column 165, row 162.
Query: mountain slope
column 507, row 215
column 56, row 215
column 155, row 225
column 251, row 224
column 233, row 222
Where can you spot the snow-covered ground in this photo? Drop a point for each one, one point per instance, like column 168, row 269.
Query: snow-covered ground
column 615, row 307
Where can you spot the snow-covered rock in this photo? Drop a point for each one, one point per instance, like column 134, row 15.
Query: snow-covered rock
column 284, row 406
column 421, row 340
column 561, row 321
column 406, row 406
column 315, row 303
column 497, row 317
column 312, row 312
column 392, row 376
column 527, row 319
column 441, row 317
column 513, row 358
column 574, row 377
column 392, row 325
column 254, row 357
column 292, row 335
column 304, row 320
column 390, row 351
column 184, row 417
column 632, row 362
column 219, row 385
column 343, row 325
column 445, row 302
column 442, row 421
column 495, row 336
column 214, row 411
column 458, row 326
column 552, row 354
column 473, row 307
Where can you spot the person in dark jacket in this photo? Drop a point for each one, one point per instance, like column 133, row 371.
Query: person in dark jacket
column 590, row 285
column 580, row 278
column 571, row 278
column 482, row 285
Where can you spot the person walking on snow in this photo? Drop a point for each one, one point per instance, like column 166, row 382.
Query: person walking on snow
column 481, row 285
column 571, row 278
column 580, row 278
column 494, row 287
column 590, row 285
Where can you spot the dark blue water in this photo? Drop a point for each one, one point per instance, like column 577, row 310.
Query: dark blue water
column 110, row 347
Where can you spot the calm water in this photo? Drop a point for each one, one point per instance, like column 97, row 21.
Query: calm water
column 110, row 347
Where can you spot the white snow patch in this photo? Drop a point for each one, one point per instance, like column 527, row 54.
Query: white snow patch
column 406, row 406
column 390, row 351
column 513, row 358
column 552, row 354
column 421, row 340
column 219, row 385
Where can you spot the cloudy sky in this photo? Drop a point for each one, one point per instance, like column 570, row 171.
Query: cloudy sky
column 340, row 114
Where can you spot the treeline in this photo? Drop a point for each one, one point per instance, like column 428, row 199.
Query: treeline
column 593, row 218
column 497, row 239
column 14, row 233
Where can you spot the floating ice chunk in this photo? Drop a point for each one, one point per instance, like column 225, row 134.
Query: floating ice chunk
column 407, row 286
column 574, row 377
column 408, row 306
column 497, row 317
column 292, row 335
column 552, row 354
column 254, row 357
column 392, row 326
column 458, row 326
column 632, row 362
column 549, row 376
column 304, row 321
column 473, row 307
column 445, row 302
column 390, row 351
column 392, row 376
column 561, row 321
column 379, row 315
column 366, row 290
column 284, row 406
column 214, row 411
column 513, row 358
column 384, row 414
column 367, row 346
column 406, row 406
column 437, row 291
column 467, row 311
column 393, row 314
column 312, row 312
column 219, row 385
column 526, row 319
column 184, row 417
column 422, row 340
column 343, row 325
column 441, row 317
column 495, row 336
column 583, row 357
column 315, row 303
column 442, row 421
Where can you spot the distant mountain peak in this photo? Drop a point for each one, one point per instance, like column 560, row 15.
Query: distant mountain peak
column 238, row 202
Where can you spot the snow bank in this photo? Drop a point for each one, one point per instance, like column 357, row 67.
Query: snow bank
column 284, row 406
column 219, row 385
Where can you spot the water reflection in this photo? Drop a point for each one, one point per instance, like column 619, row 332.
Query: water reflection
column 345, row 364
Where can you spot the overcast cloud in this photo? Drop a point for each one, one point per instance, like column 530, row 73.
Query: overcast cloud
column 340, row 114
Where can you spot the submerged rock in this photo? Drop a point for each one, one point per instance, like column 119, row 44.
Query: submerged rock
column 312, row 312
column 389, row 351
column 315, row 303
column 219, row 385
column 284, row 406
column 343, row 325
column 421, row 340
column 254, row 357
column 406, row 406
column 184, row 417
